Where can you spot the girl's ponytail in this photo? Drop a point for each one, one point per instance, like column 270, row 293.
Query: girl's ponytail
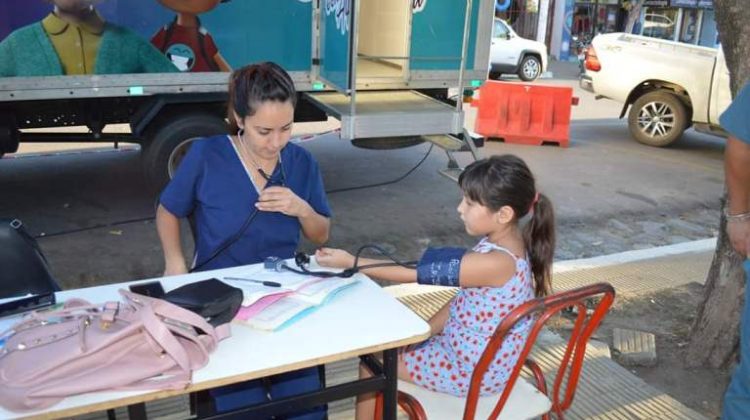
column 539, row 235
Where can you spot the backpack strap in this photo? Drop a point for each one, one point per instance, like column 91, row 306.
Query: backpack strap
column 202, row 32
column 168, row 30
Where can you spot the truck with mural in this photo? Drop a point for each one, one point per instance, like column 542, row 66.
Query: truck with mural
column 383, row 68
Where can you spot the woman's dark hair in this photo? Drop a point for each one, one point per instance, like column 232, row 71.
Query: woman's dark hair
column 254, row 84
column 506, row 181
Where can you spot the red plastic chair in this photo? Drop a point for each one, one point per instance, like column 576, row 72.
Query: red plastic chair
column 519, row 399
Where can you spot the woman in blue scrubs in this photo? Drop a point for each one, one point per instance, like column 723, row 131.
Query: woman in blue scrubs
column 256, row 180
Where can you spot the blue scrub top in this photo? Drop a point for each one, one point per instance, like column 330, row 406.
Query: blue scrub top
column 212, row 183
column 735, row 118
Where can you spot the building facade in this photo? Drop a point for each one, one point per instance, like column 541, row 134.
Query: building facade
column 575, row 22
column 688, row 21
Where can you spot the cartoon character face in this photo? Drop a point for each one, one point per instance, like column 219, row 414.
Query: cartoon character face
column 194, row 7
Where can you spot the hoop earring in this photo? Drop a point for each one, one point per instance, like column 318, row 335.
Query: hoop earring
column 240, row 133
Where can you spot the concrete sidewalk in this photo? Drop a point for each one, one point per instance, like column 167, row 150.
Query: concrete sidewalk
column 606, row 390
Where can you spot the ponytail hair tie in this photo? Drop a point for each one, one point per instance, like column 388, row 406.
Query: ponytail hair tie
column 533, row 202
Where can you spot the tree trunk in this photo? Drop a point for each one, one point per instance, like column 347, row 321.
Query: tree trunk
column 714, row 339
column 633, row 14
column 715, row 335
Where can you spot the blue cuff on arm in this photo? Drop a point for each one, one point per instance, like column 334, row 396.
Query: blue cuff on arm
column 440, row 266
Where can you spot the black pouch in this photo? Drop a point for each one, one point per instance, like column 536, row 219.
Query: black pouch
column 24, row 268
column 25, row 278
column 212, row 299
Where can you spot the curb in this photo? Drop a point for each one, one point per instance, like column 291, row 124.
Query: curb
column 701, row 245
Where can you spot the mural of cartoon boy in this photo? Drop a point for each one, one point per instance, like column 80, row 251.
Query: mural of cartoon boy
column 185, row 42
column 75, row 40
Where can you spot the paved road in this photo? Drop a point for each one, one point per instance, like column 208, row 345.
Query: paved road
column 611, row 194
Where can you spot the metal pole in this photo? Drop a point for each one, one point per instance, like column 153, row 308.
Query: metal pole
column 464, row 50
column 354, row 33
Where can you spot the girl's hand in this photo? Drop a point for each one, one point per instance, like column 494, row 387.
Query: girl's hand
column 331, row 257
column 283, row 200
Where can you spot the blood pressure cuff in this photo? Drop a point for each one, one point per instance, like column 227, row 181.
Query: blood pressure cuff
column 440, row 266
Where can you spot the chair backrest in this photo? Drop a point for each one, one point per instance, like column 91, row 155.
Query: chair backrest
column 541, row 310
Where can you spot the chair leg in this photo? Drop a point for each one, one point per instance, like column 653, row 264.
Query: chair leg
column 378, row 406
column 541, row 383
column 406, row 402
column 411, row 406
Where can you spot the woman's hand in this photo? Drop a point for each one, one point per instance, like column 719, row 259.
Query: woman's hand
column 175, row 268
column 331, row 257
column 283, row 200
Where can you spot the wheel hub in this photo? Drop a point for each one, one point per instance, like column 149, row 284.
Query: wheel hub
column 656, row 119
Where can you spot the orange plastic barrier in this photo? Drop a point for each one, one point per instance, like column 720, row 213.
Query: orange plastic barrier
column 524, row 113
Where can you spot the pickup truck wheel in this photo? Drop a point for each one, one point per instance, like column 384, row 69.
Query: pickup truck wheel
column 657, row 119
column 530, row 68
column 169, row 143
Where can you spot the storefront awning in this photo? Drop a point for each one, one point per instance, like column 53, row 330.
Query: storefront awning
column 702, row 4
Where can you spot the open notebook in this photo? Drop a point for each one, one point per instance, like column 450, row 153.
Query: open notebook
column 270, row 308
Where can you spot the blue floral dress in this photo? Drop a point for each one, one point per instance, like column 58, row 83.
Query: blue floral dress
column 445, row 362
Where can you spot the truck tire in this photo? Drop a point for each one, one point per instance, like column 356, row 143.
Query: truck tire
column 169, row 142
column 657, row 119
column 530, row 68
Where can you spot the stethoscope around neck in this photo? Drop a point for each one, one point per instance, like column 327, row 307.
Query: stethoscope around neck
column 279, row 169
column 271, row 180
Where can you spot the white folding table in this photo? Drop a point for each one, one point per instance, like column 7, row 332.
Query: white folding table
column 360, row 320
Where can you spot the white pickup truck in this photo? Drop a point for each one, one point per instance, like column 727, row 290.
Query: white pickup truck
column 668, row 86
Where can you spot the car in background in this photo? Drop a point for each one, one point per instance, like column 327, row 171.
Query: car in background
column 658, row 26
column 664, row 86
column 511, row 54
column 653, row 20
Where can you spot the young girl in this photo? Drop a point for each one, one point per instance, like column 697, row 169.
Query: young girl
column 509, row 266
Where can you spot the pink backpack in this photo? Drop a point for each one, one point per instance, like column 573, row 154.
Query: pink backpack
column 137, row 344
